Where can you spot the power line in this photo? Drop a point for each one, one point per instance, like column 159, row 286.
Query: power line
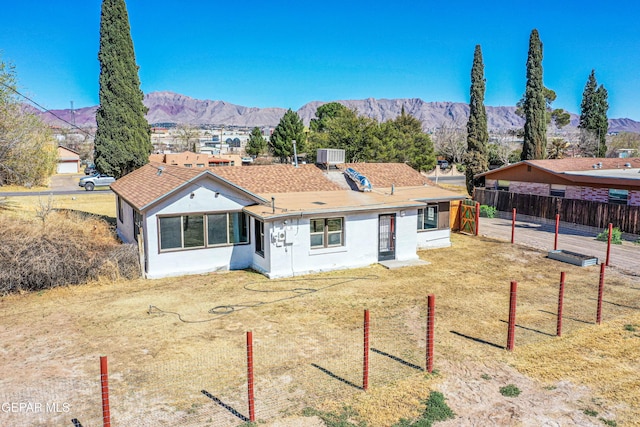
column 46, row 110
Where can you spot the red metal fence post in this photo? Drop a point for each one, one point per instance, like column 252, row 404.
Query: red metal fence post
column 560, row 303
column 512, row 316
column 431, row 314
column 365, row 362
column 477, row 217
column 555, row 242
column 600, row 291
column 252, row 410
column 513, row 226
column 104, row 383
column 609, row 243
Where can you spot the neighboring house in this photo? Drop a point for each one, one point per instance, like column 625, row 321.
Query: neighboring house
column 68, row 160
column 609, row 180
column 189, row 159
column 280, row 220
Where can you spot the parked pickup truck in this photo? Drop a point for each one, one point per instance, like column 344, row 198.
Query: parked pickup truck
column 95, row 180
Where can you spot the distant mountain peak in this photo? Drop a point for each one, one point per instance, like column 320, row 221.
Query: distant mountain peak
column 171, row 107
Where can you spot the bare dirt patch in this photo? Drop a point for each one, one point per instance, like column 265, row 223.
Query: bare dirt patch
column 166, row 345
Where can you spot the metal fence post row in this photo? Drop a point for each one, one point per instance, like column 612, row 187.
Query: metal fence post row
column 104, row 386
column 512, row 316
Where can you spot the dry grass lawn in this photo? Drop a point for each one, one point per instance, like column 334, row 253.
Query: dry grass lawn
column 97, row 203
column 169, row 341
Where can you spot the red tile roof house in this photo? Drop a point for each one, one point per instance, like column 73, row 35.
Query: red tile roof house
column 279, row 220
column 605, row 180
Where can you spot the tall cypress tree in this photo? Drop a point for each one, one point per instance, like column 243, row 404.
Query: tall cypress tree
column 535, row 125
column 476, row 158
column 123, row 137
column 593, row 113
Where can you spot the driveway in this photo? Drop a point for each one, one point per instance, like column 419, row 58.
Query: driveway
column 60, row 184
column 534, row 233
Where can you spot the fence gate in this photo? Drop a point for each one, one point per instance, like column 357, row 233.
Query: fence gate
column 468, row 217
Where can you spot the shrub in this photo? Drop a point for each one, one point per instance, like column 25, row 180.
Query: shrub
column 510, row 391
column 488, row 211
column 73, row 248
column 436, row 410
column 616, row 236
column 461, row 167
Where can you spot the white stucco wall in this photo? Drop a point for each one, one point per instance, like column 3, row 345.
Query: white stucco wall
column 196, row 261
column 294, row 255
column 430, row 239
column 125, row 228
column 283, row 257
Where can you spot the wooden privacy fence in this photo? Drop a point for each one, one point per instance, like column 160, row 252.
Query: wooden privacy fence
column 583, row 212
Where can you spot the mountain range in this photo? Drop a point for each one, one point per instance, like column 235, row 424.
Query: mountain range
column 169, row 107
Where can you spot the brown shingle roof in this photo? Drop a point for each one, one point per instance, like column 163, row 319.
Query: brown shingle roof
column 383, row 175
column 278, row 178
column 145, row 185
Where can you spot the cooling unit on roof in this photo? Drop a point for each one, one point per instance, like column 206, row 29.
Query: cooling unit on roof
column 360, row 180
column 330, row 156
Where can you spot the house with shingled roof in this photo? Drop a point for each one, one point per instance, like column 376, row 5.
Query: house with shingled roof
column 280, row 220
column 604, row 180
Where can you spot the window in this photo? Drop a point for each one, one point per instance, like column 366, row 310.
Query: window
column 557, row 190
column 326, row 232
column 259, row 237
column 503, row 185
column 120, row 209
column 137, row 224
column 428, row 217
column 618, row 197
column 188, row 165
column 238, row 227
column 198, row 230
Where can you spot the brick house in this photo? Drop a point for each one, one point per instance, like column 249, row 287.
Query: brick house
column 604, row 180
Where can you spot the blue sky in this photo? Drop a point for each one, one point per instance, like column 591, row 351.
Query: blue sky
column 282, row 53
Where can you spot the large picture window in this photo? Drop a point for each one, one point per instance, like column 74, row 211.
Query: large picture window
column 428, row 217
column 327, row 232
column 198, row 230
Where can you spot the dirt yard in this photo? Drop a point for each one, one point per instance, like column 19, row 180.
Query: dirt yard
column 176, row 347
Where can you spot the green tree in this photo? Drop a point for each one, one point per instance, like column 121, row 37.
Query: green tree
column 535, row 125
column 558, row 148
column 324, row 113
column 28, row 151
column 410, row 144
column 626, row 141
column 256, row 144
column 593, row 114
column 476, row 160
column 123, row 136
column 559, row 117
column 288, row 130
